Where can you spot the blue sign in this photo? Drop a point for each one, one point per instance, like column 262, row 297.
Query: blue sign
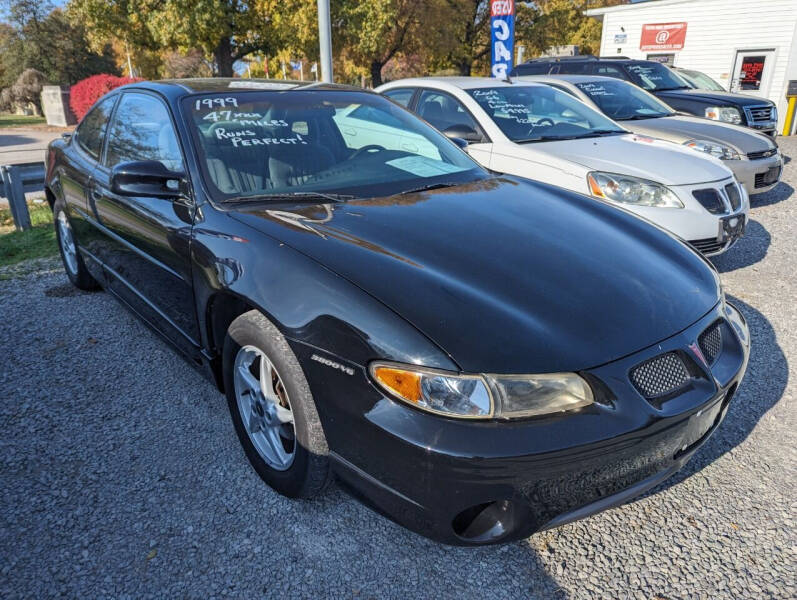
column 502, row 37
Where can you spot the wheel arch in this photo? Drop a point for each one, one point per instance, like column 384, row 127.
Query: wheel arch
column 221, row 309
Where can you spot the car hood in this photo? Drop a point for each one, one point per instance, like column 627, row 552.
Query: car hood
column 507, row 275
column 640, row 156
column 679, row 129
column 721, row 98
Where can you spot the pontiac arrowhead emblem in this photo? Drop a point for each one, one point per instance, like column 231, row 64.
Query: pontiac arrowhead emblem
column 696, row 351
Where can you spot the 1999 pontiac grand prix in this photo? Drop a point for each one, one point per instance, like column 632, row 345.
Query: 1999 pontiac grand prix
column 393, row 313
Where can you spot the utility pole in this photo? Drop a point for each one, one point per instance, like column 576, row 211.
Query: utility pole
column 325, row 40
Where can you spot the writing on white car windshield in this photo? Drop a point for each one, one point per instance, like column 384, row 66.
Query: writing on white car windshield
column 541, row 113
column 623, row 101
column 332, row 144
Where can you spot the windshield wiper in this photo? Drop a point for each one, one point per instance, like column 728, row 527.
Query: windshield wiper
column 600, row 132
column 671, row 89
column 431, row 186
column 640, row 117
column 547, row 138
column 292, row 196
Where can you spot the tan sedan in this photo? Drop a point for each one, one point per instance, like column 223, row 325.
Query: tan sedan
column 753, row 157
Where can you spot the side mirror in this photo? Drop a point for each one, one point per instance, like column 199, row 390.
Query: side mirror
column 459, row 142
column 147, row 178
column 464, row 132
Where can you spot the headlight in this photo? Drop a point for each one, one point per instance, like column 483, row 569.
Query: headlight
column 625, row 189
column 482, row 396
column 720, row 151
column 729, row 114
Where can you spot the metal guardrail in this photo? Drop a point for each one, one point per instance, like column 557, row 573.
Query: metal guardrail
column 15, row 181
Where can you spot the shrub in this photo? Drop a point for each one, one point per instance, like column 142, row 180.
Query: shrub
column 86, row 92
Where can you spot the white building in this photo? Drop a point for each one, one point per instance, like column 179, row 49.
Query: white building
column 748, row 46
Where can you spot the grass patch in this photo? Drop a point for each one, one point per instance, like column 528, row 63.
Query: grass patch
column 37, row 242
column 7, row 120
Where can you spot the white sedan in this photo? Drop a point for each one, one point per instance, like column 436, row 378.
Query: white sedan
column 535, row 131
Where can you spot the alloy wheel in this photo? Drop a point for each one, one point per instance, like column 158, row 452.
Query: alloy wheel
column 67, row 243
column 265, row 408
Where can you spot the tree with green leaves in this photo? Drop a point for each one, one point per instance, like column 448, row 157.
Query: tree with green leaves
column 40, row 37
column 563, row 22
column 374, row 32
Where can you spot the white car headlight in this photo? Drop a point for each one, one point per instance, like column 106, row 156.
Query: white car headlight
column 720, row 151
column 728, row 114
column 625, row 189
column 482, row 396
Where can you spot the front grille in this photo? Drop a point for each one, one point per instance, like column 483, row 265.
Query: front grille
column 707, row 246
column 762, row 154
column 711, row 200
column 660, row 376
column 710, row 342
column 759, row 114
column 768, row 177
column 734, row 197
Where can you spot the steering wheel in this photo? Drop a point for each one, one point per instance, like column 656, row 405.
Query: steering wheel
column 544, row 122
column 371, row 148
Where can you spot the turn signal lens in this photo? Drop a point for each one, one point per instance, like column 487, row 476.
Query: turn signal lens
column 440, row 392
column 404, row 384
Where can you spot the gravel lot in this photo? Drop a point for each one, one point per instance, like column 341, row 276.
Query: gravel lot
column 120, row 474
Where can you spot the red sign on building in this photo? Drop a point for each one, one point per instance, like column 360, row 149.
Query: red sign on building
column 663, row 36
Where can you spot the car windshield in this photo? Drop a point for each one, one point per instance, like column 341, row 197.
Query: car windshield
column 655, row 77
column 700, row 81
column 261, row 144
column 541, row 113
column 623, row 101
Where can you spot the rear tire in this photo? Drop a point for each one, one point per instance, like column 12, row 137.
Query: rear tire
column 68, row 249
column 273, row 410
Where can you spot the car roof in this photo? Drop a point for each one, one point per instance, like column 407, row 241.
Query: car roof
column 567, row 78
column 585, row 58
column 177, row 88
column 463, row 83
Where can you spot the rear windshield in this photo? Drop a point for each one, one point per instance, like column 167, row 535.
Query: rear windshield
column 622, row 101
column 655, row 77
column 284, row 142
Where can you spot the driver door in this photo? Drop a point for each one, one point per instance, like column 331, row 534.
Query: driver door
column 443, row 111
column 146, row 240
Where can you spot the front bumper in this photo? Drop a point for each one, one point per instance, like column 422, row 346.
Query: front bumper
column 471, row 483
column 756, row 175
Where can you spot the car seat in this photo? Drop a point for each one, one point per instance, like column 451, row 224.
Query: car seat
column 236, row 169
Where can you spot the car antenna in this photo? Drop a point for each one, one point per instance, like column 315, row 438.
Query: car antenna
column 508, row 80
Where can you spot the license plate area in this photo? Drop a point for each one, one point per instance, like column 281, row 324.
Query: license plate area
column 703, row 423
column 772, row 175
column 731, row 228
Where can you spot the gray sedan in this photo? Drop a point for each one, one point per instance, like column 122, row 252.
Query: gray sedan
column 753, row 157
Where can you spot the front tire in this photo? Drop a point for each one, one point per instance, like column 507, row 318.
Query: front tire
column 272, row 408
column 67, row 247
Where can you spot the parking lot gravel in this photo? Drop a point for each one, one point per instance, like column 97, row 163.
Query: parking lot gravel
column 121, row 476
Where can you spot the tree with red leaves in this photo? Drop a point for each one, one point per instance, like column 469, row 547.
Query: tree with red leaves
column 86, row 92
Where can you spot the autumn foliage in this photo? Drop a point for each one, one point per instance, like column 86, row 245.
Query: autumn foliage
column 86, row 92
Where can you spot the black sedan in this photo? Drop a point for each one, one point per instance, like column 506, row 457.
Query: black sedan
column 478, row 357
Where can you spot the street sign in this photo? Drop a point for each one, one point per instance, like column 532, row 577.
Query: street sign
column 502, row 28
